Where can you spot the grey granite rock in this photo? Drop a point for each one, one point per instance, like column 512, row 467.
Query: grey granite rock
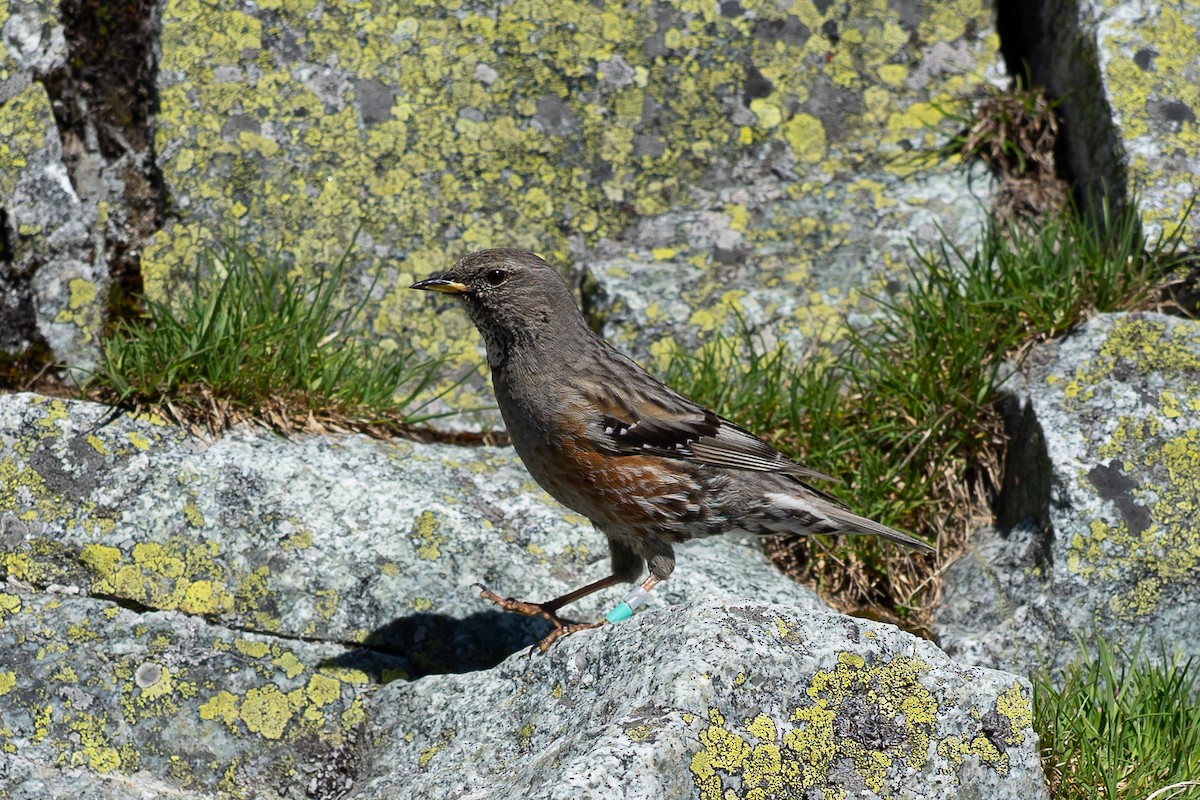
column 32, row 44
column 206, row 619
column 79, row 189
column 51, row 291
column 717, row 150
column 709, row 701
column 97, row 700
column 345, row 539
column 1101, row 522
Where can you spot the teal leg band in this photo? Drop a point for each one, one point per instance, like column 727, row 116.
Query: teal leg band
column 624, row 609
column 620, row 613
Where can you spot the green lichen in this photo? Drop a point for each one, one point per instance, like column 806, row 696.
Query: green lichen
column 425, row 534
column 769, row 757
column 222, row 706
column 1162, row 160
column 25, row 121
column 300, row 540
column 266, row 711
column 326, row 603
column 457, row 155
column 250, row 648
column 1164, row 442
column 640, row 733
column 94, row 750
column 176, row 574
column 288, row 662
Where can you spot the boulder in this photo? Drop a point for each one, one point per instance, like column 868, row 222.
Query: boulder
column 344, row 539
column 709, row 701
column 1099, row 519
column 99, row 700
column 211, row 618
column 692, row 160
column 51, row 292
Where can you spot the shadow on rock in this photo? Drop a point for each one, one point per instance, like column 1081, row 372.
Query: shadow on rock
column 435, row 644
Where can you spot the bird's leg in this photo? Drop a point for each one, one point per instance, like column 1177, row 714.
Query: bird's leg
column 549, row 609
column 635, row 598
column 623, row 611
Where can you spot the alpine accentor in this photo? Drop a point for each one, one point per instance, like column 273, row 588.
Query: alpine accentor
column 647, row 466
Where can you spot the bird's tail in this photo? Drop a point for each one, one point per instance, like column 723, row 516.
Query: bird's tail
column 855, row 524
column 815, row 514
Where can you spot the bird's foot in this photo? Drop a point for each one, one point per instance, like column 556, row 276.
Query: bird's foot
column 544, row 610
column 547, row 611
column 565, row 630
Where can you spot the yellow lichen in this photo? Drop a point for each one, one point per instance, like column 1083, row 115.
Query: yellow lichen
column 640, row 733
column 425, row 533
column 223, row 706
column 266, row 711
column 799, row 754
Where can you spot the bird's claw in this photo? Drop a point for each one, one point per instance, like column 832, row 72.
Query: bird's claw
column 565, row 630
column 521, row 606
column 562, row 627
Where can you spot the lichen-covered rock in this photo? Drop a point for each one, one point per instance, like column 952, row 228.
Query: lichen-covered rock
column 1128, row 75
column 109, row 702
column 166, row 600
column 742, row 146
column 78, row 185
column 33, row 43
column 1104, row 505
column 51, row 285
column 711, row 701
column 346, row 539
column 53, row 279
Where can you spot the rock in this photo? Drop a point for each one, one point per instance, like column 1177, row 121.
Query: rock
column 48, row 283
column 711, row 700
column 346, row 539
column 201, row 619
column 758, row 158
column 104, row 701
column 1102, row 500
column 1128, row 76
column 78, row 186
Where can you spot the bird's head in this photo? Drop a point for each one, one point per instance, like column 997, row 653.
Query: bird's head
column 512, row 296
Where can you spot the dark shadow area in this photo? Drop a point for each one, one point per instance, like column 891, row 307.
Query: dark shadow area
column 1042, row 43
column 18, row 325
column 1017, row 25
column 436, row 644
column 104, row 105
column 6, row 251
column 23, row 350
column 1024, row 497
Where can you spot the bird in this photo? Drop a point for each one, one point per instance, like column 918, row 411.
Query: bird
column 647, row 466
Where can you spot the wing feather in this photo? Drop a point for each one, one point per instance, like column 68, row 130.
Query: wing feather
column 684, row 430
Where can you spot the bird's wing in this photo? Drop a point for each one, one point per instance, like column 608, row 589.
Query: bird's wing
column 674, row 427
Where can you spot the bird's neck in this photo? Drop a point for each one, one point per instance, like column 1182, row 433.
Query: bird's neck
column 535, row 345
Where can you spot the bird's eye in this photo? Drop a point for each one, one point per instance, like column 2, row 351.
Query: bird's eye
column 495, row 277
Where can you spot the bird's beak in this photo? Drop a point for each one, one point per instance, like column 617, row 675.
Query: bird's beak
column 440, row 283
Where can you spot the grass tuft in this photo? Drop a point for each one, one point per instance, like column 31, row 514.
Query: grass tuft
column 905, row 415
column 1121, row 727
column 250, row 343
